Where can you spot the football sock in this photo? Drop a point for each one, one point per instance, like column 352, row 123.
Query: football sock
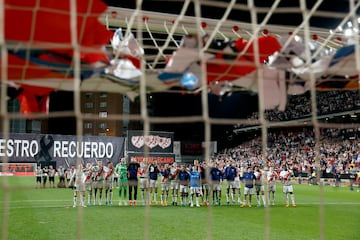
column 292, row 198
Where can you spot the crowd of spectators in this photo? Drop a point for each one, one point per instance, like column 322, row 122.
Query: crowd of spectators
column 328, row 102
column 298, row 151
column 336, row 153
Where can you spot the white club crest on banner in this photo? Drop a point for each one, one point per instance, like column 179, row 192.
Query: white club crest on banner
column 150, row 141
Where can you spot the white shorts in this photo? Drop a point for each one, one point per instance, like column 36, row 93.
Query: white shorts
column 109, row 184
column 165, row 186
column 230, row 184
column 288, row 189
column 216, row 186
column 259, row 188
column 195, row 190
column 184, row 188
column 272, row 187
column 80, row 188
column 153, row 183
column 248, row 191
column 88, row 185
column 205, row 186
column 144, row 183
column 237, row 184
column 174, row 184
column 99, row 184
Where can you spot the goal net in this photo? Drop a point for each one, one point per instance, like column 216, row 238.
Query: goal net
column 256, row 77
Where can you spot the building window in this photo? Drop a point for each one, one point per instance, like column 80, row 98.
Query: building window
column 102, row 114
column 102, row 134
column 102, row 125
column 88, row 95
column 88, row 125
column 103, row 95
column 89, row 105
column 103, row 104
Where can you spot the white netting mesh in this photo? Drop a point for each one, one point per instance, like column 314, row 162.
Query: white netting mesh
column 301, row 58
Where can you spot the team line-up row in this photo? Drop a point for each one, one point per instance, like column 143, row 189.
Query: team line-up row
column 188, row 184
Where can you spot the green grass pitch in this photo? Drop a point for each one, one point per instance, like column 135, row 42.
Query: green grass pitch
column 29, row 213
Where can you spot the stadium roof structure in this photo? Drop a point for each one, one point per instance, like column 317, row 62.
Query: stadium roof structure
column 193, row 46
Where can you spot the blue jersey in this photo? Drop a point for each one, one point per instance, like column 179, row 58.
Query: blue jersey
column 165, row 173
column 184, row 177
column 195, row 179
column 133, row 170
column 230, row 173
column 248, row 178
column 216, row 175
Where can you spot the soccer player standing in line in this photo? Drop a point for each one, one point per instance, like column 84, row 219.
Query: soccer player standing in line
column 153, row 182
column 109, row 182
column 68, row 173
column 89, row 181
column 174, row 183
column 285, row 176
column 165, row 184
column 121, row 170
column 98, row 170
column 229, row 175
column 204, row 184
column 237, row 183
column 272, row 176
column 133, row 169
column 45, row 176
column 77, row 180
column 184, row 184
column 216, row 177
column 259, row 186
column 38, row 176
column 144, row 181
column 249, row 181
column 61, row 174
column 52, row 176
column 195, row 185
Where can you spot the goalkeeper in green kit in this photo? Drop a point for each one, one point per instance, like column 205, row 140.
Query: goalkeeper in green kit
column 121, row 170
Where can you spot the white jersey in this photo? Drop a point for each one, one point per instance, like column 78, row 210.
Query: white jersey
column 98, row 173
column 259, row 175
column 88, row 175
column 143, row 173
column 174, row 173
column 286, row 177
column 38, row 173
column 271, row 177
column 109, row 174
column 61, row 172
column 78, row 178
column 51, row 172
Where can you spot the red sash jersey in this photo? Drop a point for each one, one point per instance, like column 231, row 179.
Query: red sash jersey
column 99, row 173
column 219, row 69
column 109, row 174
column 286, row 177
column 273, row 175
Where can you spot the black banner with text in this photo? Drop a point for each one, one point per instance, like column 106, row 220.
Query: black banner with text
column 60, row 148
